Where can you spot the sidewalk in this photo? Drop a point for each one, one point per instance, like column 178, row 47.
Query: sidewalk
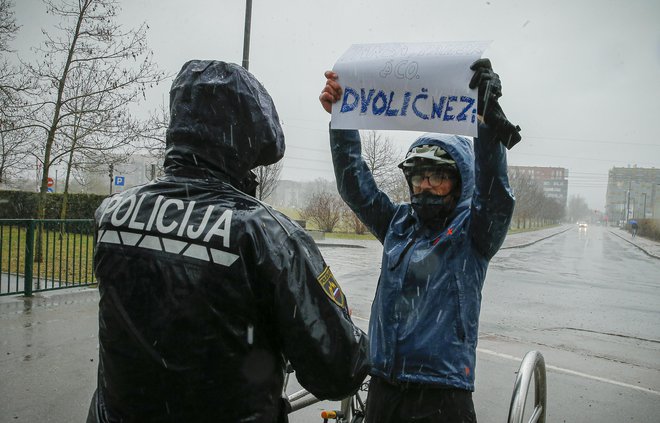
column 524, row 239
column 650, row 247
column 518, row 240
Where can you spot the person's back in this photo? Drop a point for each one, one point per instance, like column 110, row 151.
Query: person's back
column 204, row 289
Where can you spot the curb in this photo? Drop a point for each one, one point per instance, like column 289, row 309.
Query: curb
column 632, row 243
column 535, row 241
column 329, row 244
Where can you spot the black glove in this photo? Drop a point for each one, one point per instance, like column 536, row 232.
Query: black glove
column 490, row 90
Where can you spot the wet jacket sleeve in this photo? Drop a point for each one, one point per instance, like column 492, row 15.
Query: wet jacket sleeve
column 493, row 201
column 327, row 351
column 356, row 184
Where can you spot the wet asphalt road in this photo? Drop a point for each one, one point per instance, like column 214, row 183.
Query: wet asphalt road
column 587, row 300
column 590, row 303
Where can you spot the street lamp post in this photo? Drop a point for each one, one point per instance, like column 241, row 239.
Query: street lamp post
column 627, row 204
column 644, row 215
column 246, row 34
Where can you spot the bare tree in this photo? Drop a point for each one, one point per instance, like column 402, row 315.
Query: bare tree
column 153, row 138
column 14, row 151
column 8, row 25
column 324, row 207
column 351, row 222
column 381, row 158
column 400, row 191
column 100, row 132
column 267, row 177
column 533, row 207
column 529, row 197
column 577, row 208
column 88, row 56
column 10, row 83
column 552, row 211
column 14, row 145
column 88, row 180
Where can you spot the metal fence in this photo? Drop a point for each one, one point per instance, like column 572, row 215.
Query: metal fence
column 40, row 255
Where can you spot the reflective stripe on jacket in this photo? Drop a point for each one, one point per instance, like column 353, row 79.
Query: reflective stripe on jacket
column 205, row 292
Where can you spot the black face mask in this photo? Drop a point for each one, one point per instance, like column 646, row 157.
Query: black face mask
column 433, row 210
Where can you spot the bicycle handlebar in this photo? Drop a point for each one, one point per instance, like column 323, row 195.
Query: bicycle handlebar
column 298, row 400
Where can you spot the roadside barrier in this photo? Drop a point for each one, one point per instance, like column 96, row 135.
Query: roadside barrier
column 41, row 255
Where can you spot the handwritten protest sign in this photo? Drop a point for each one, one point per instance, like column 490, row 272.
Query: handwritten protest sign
column 408, row 86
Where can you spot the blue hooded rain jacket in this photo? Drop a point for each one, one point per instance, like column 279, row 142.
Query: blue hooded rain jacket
column 425, row 315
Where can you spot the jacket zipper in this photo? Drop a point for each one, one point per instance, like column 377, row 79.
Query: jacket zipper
column 459, row 315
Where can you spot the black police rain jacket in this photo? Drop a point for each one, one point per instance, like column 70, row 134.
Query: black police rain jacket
column 206, row 291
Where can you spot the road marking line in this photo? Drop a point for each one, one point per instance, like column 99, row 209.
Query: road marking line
column 573, row 372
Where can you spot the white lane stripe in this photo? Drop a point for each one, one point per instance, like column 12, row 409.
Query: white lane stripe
column 573, row 372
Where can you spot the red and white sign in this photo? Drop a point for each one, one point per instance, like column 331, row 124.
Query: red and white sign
column 51, row 182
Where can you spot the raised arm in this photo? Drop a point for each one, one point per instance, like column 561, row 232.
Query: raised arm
column 493, row 200
column 355, row 182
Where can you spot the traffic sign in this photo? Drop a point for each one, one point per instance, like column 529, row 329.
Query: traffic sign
column 50, row 190
column 51, row 182
column 119, row 181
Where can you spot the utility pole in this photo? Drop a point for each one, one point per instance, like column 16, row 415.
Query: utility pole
column 628, row 202
column 111, row 169
column 246, row 34
column 644, row 215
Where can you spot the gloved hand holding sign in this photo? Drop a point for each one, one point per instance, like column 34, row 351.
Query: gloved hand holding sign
column 490, row 90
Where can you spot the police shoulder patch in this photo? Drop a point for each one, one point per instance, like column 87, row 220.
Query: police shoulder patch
column 330, row 286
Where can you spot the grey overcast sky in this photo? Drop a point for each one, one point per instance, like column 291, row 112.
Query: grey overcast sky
column 581, row 77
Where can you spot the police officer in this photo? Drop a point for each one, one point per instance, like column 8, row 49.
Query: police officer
column 424, row 318
column 206, row 291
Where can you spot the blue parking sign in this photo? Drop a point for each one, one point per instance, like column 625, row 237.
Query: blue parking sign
column 119, row 181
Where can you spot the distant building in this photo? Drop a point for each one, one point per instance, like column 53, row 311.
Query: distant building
column 553, row 180
column 296, row 194
column 632, row 193
column 289, row 194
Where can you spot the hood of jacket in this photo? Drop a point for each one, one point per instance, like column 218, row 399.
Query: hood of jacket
column 222, row 122
column 461, row 150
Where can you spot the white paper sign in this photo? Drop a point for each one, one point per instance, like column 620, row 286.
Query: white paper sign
column 416, row 87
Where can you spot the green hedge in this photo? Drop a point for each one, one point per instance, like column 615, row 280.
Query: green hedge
column 648, row 228
column 23, row 205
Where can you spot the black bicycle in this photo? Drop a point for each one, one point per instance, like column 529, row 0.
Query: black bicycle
column 352, row 409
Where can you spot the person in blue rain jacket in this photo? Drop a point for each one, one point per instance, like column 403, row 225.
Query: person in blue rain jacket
column 425, row 315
